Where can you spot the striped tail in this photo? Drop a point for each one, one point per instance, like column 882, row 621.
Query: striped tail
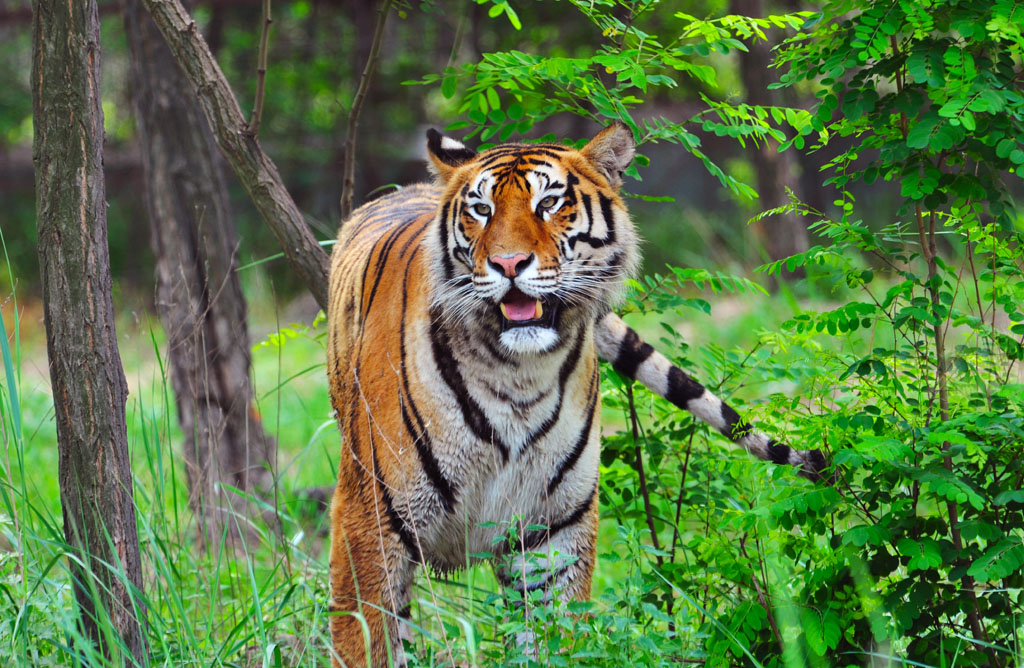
column 632, row 357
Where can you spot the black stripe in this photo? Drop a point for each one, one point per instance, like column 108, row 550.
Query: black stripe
column 606, row 212
column 472, row 414
column 591, row 181
column 609, row 220
column 398, row 524
column 585, row 198
column 632, row 353
column 382, row 258
column 499, row 355
column 418, row 433
column 502, row 396
column 816, row 460
column 360, row 468
column 389, row 210
column 446, row 260
column 534, row 538
column 681, row 388
column 520, row 152
column 778, row 453
column 568, row 367
column 581, row 441
column 735, row 428
column 413, row 238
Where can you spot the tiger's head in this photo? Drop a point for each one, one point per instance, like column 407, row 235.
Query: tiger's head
column 531, row 238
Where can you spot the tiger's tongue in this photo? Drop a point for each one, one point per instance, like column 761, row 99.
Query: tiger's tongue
column 518, row 306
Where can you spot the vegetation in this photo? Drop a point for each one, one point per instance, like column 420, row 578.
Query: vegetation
column 899, row 353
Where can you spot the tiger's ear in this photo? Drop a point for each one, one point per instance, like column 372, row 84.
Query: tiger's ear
column 446, row 154
column 611, row 151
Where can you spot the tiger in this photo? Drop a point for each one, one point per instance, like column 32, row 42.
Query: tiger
column 465, row 323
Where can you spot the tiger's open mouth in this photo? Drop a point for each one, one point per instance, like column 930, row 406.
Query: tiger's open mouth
column 518, row 309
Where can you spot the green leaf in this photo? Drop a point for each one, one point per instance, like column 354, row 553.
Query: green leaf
column 448, row 86
column 921, row 133
column 822, row 631
column 1003, row 559
column 1009, row 496
column 492, row 99
column 924, row 553
column 865, row 534
column 1004, row 147
column 513, row 18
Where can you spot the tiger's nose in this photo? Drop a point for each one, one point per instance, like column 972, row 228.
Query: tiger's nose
column 510, row 265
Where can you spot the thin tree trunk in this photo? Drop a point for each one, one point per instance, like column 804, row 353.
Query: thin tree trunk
column 786, row 234
column 199, row 296
column 89, row 387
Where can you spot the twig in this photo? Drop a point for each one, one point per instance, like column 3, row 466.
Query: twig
column 930, row 251
column 261, row 73
column 348, row 181
column 682, row 487
column 640, row 471
column 761, row 598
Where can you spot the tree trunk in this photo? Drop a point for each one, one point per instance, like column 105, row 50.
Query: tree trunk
column 254, row 168
column 88, row 382
column 782, row 235
column 199, row 297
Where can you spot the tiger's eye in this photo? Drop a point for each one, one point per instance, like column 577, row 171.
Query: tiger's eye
column 482, row 209
column 548, row 202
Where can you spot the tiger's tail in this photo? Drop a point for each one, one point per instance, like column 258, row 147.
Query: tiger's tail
column 632, row 357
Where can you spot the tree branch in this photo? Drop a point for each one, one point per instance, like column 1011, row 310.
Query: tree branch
column 253, row 167
column 261, row 72
column 348, row 181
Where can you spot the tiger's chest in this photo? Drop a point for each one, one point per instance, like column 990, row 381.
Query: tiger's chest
column 518, row 443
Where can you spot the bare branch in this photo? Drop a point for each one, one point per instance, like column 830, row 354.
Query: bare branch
column 348, row 182
column 639, row 465
column 253, row 167
column 261, row 72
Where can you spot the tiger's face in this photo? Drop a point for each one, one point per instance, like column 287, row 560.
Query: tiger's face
column 532, row 237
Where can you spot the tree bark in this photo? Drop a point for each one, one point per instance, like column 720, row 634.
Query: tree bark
column 199, row 297
column 88, row 382
column 253, row 167
column 782, row 235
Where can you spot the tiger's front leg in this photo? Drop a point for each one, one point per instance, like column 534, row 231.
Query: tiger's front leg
column 558, row 561
column 371, row 576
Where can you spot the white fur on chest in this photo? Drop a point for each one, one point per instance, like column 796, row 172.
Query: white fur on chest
column 515, row 495
column 539, row 420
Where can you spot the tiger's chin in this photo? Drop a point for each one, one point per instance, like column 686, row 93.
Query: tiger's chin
column 529, row 340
